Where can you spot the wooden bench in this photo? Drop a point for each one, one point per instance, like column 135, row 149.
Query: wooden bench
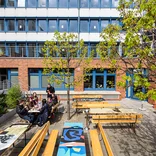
column 35, row 143
column 49, row 149
column 95, row 142
column 87, row 97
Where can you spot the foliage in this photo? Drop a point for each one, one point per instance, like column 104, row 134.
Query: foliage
column 13, row 94
column 1, row 53
column 3, row 106
column 137, row 37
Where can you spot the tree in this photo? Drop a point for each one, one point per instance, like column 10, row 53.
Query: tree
column 137, row 39
column 62, row 55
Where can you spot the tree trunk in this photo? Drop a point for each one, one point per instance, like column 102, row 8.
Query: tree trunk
column 68, row 103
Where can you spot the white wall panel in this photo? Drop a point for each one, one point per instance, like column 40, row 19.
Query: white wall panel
column 84, row 36
column 109, row 13
column 10, row 12
column 52, row 12
column 21, row 12
column 41, row 12
column 2, row 11
column 84, row 12
column 31, row 12
column 94, row 37
column 2, row 36
column 94, row 13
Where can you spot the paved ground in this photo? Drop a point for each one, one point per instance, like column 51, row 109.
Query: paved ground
column 123, row 139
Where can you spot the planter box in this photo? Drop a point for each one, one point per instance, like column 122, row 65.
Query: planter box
column 8, row 115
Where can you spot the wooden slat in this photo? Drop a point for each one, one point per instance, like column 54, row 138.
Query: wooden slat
column 49, row 149
column 96, row 146
column 42, row 136
column 54, row 107
column 105, row 140
column 89, row 102
column 86, row 96
column 123, row 116
column 115, row 121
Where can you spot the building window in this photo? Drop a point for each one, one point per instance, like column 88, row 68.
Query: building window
column 2, row 48
column 63, row 3
column 52, row 25
column 115, row 3
column 73, row 3
column 40, row 51
column 31, row 25
column 31, row 3
column 20, row 3
column 63, row 26
column 104, row 24
column 105, row 3
column 99, row 81
column 1, row 25
column 31, row 50
column 34, row 81
column 11, row 49
column 53, row 3
column 73, row 26
column 94, row 3
column 22, row 49
column 93, row 50
column 21, row 25
column 84, row 3
column 11, row 25
column 42, row 25
column 44, row 81
column 94, row 26
column 2, row 3
column 110, row 82
column 84, row 26
column 42, row 3
column 89, row 82
column 10, row 3
column 115, row 22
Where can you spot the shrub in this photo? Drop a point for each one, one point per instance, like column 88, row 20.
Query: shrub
column 13, row 94
column 3, row 106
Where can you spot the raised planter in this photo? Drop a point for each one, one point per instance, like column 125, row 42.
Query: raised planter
column 8, row 115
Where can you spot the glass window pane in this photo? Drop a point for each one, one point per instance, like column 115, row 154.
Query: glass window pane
column 99, row 81
column 31, row 3
column 11, row 50
column 32, row 25
column 73, row 3
column 63, row 3
column 33, row 70
column 22, row 49
column 84, row 3
column 52, row 26
column 62, row 26
column 42, row 25
column 44, row 81
column 105, row 3
column 110, row 82
column 110, row 71
column 1, row 25
column 42, row 3
column 89, row 82
column 14, row 71
column 11, row 25
column 31, row 50
column 40, row 51
column 21, row 25
column 99, row 70
column 56, row 85
column 34, row 81
column 53, row 3
column 2, row 3
column 73, row 26
column 104, row 24
column 94, row 27
column 20, row 3
column 11, row 3
column 2, row 48
column 93, row 50
column 115, row 3
column 84, row 26
column 94, row 3
column 115, row 22
column 14, row 80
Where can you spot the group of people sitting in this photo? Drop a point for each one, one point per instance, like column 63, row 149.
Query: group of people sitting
column 32, row 102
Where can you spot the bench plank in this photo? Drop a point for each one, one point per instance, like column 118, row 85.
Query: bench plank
column 49, row 149
column 96, row 146
column 105, row 140
column 87, row 96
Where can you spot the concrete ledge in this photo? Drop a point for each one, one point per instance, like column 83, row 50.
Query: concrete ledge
column 8, row 115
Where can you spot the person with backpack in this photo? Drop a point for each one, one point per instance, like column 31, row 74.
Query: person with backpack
column 50, row 91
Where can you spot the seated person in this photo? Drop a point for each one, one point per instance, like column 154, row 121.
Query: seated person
column 43, row 116
column 22, row 111
column 53, row 99
column 34, row 99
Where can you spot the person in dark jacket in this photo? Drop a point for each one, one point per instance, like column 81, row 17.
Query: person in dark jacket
column 43, row 116
column 22, row 111
column 50, row 91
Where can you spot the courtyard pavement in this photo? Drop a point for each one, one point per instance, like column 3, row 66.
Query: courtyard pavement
column 124, row 140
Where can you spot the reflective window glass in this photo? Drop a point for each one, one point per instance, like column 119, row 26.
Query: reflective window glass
column 42, row 3
column 31, row 50
column 21, row 25
column 44, row 81
column 89, row 82
column 42, row 25
column 2, row 3
column 110, row 82
column 11, row 50
column 94, row 3
column 115, row 3
column 94, row 26
column 105, row 3
column 53, row 3
column 73, row 3
column 14, row 80
column 62, row 25
column 52, row 25
column 84, row 26
column 93, row 50
column 63, row 3
column 84, row 3
column 10, row 3
column 1, row 25
column 99, row 82
column 104, row 24
column 31, row 3
column 22, row 49
column 11, row 25
column 2, row 48
column 40, row 51
column 115, row 22
column 34, row 81
column 32, row 25
column 20, row 3
column 73, row 26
